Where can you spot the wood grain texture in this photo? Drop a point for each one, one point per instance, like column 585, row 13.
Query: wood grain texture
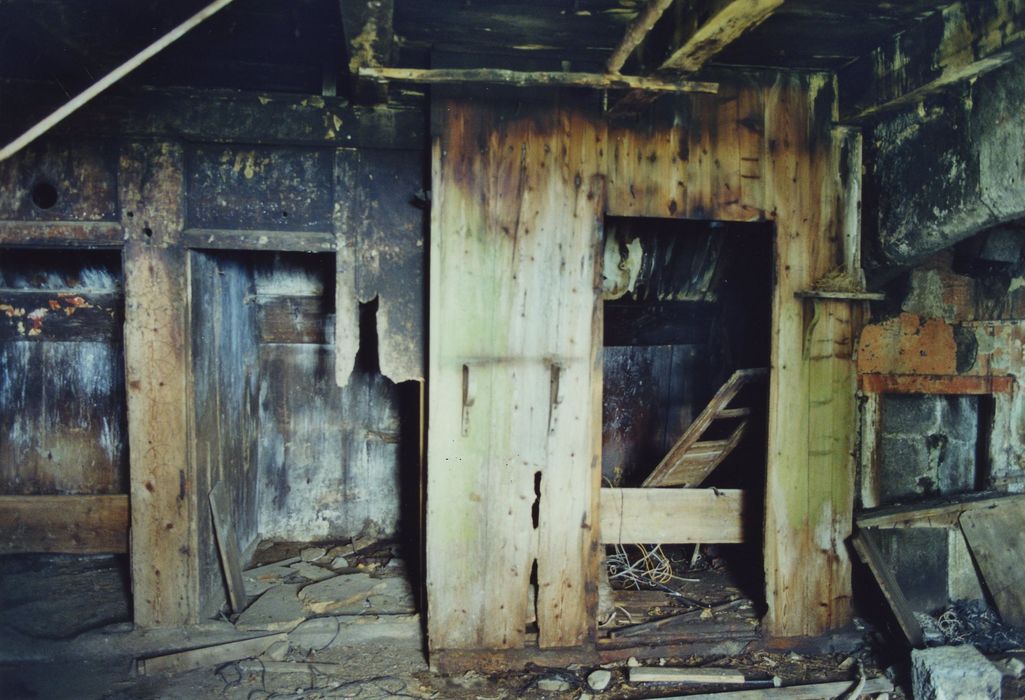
column 932, row 514
column 164, row 531
column 672, row 516
column 762, row 150
column 516, row 222
column 64, row 524
column 996, row 536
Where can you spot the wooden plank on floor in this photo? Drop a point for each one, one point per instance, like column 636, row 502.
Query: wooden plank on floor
column 866, row 547
column 64, row 524
column 672, row 516
column 996, row 536
column 227, row 546
column 204, row 657
column 811, row 691
column 157, row 367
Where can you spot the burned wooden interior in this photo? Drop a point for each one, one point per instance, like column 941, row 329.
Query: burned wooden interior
column 550, row 332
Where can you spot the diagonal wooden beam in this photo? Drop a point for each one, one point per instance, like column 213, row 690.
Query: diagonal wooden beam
column 369, row 33
column 112, row 77
column 635, row 33
column 732, row 20
column 959, row 42
column 727, row 21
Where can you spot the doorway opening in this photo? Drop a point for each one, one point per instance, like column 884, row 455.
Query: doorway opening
column 687, row 321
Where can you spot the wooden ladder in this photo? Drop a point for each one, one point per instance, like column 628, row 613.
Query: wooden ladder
column 690, row 460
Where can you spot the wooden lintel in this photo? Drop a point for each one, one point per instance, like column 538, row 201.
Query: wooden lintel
column 63, row 234
column 671, row 516
column 511, row 78
column 934, row 514
column 836, row 295
column 285, row 241
column 932, row 384
column 956, row 43
column 64, row 524
column 636, row 32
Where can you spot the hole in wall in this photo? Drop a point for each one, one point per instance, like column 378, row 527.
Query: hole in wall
column 148, row 232
column 44, row 195
column 535, row 509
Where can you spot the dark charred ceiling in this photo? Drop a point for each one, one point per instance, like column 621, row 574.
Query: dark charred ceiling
column 294, row 45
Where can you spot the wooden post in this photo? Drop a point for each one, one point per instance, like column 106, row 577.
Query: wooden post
column 157, row 366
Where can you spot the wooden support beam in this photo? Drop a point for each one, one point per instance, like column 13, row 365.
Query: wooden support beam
column 671, row 516
column 110, row 78
column 157, row 367
column 636, row 32
column 511, row 78
column 731, row 20
column 933, row 514
column 850, row 690
column 369, row 33
column 958, row 42
column 64, row 524
column 727, row 22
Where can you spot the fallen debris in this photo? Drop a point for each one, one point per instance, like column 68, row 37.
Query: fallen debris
column 706, row 675
column 313, row 553
column 279, row 608
column 259, row 579
column 814, row 691
column 946, row 673
column 311, row 571
column 191, row 659
column 599, row 680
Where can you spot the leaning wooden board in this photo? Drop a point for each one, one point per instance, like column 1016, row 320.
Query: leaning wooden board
column 996, row 536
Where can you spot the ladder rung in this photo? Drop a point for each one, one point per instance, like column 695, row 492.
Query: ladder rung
column 733, row 413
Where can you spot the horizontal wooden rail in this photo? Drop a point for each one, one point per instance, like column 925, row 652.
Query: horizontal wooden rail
column 63, row 234
column 672, row 516
column 64, row 524
column 934, row 384
column 511, row 78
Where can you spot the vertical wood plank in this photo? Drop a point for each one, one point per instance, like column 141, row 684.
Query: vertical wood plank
column 515, row 234
column 227, row 545
column 163, row 496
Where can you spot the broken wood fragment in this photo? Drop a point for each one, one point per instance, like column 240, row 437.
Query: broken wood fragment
column 813, row 691
column 227, row 547
column 202, row 657
column 498, row 76
column 996, row 536
column 865, row 546
column 688, row 461
column 666, row 674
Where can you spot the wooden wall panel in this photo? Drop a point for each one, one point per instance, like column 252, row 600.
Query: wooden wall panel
column 379, row 221
column 163, row 486
column 516, row 222
column 761, row 150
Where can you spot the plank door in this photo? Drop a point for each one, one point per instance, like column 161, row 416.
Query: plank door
column 515, row 376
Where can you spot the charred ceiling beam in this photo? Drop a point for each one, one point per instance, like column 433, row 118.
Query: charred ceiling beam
column 636, row 33
column 369, row 32
column 956, row 43
column 511, row 78
column 702, row 31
